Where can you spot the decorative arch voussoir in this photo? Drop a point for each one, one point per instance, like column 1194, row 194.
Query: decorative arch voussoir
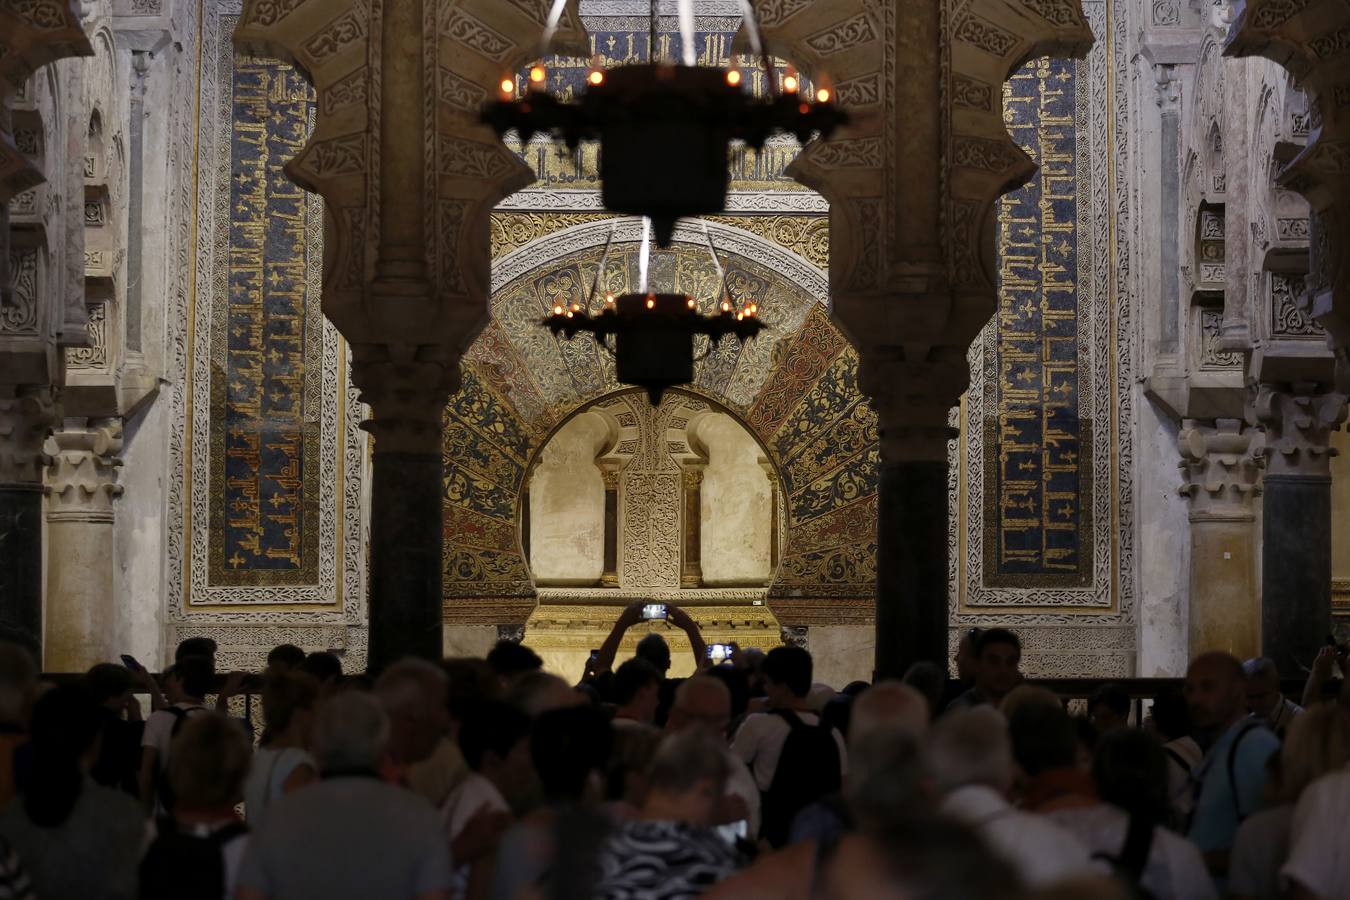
column 1311, row 40
column 468, row 45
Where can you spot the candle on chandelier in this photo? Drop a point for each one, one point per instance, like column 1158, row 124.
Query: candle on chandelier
column 734, row 77
column 691, row 303
column 538, row 75
column 508, row 88
column 790, row 81
column 609, row 299
column 558, row 310
column 651, row 301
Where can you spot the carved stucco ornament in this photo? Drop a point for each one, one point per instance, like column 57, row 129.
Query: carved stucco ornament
column 1311, row 39
column 32, row 34
column 409, row 177
column 914, row 187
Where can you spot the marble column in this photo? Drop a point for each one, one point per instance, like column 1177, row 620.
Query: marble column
column 610, row 573
column 82, row 486
column 691, row 559
column 1296, row 520
column 912, row 576
column 407, row 398
column 1221, row 471
column 25, row 419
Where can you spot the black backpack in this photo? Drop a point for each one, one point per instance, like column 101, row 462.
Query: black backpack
column 164, row 790
column 181, row 866
column 809, row 769
column 1128, row 865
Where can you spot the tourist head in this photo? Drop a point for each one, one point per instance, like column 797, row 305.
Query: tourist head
column 701, row 702
column 1216, row 691
column 998, row 654
column 495, row 740
column 1263, row 687
column 285, row 658
column 196, row 646
column 637, row 689
column 570, row 748
column 1109, row 708
column 965, row 654
column 885, row 780
column 1171, row 719
column 536, row 693
column 64, row 739
column 787, row 676
column 1130, row 771
column 189, row 679
column 970, row 747
column 208, row 764
column 928, row 679
column 1318, row 743
column 351, row 733
column 472, row 682
column 1043, row 738
column 325, row 667
column 688, row 777
column 511, row 660
column 654, row 649
column 888, row 705
column 110, row 685
column 920, row 857
column 413, row 692
column 288, row 701
column 18, row 679
column 630, row 762
column 1029, row 693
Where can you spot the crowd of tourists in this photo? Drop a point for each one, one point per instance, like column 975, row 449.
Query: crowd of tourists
column 492, row 778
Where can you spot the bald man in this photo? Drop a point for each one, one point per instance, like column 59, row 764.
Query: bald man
column 1232, row 776
column 889, row 704
column 705, row 702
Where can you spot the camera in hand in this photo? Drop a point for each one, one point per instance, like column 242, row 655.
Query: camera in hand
column 653, row 611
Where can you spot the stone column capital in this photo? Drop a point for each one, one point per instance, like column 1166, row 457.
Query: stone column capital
column 913, row 403
column 1298, row 420
column 1221, row 465
column 407, row 388
column 1167, row 89
column 26, row 417
column 82, row 471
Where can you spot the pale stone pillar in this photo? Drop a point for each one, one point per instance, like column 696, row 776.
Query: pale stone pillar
column 80, row 619
column 1221, row 471
column 1296, row 520
column 26, row 416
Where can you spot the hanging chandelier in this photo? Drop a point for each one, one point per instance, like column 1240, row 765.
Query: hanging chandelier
column 665, row 128
column 653, row 333
column 665, row 131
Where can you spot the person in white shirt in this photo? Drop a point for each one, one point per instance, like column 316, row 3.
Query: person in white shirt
column 1319, row 854
column 1125, row 830
column 1318, row 744
column 185, row 687
column 283, row 764
column 495, row 740
column 705, row 702
column 1265, row 702
column 969, row 759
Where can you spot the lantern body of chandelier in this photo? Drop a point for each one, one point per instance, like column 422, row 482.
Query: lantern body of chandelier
column 653, row 336
column 665, row 132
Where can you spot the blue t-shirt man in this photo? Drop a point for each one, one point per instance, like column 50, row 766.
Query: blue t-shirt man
column 1236, row 762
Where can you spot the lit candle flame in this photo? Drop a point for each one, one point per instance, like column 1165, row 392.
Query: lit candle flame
column 790, row 81
column 508, row 87
column 734, row 77
column 538, row 74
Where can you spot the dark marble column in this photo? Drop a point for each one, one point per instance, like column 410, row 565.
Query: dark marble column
column 26, row 415
column 610, row 575
column 1296, row 569
column 405, row 557
column 21, row 566
column 1296, row 520
column 912, row 575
